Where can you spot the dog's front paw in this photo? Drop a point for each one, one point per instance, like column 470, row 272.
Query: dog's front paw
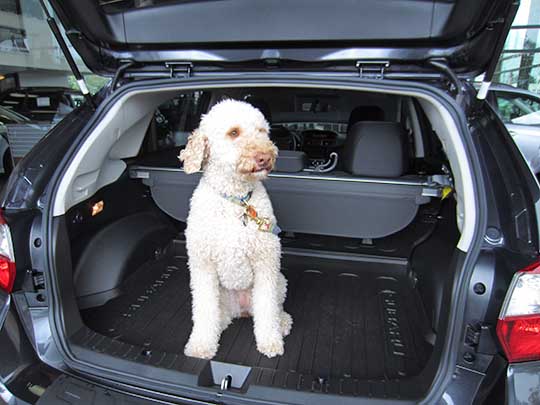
column 201, row 350
column 271, row 347
column 285, row 323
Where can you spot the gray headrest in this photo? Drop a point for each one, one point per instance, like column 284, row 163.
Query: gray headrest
column 376, row 149
column 365, row 113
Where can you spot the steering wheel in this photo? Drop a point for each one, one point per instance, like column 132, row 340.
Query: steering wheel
column 283, row 137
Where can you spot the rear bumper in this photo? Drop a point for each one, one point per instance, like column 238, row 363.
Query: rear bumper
column 70, row 390
column 523, row 383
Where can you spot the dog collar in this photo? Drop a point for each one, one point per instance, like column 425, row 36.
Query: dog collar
column 264, row 224
column 238, row 200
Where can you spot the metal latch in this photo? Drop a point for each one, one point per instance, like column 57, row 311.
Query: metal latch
column 179, row 67
column 139, row 174
column 38, row 280
column 441, row 180
column 438, row 185
column 472, row 335
column 226, row 383
column 480, row 338
column 372, row 69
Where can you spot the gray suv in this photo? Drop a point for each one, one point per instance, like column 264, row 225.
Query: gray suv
column 409, row 216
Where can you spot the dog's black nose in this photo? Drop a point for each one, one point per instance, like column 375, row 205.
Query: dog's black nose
column 262, row 160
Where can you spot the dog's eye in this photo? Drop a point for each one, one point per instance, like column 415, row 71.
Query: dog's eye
column 233, row 133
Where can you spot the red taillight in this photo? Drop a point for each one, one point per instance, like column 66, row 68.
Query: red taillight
column 518, row 327
column 7, row 274
column 7, row 258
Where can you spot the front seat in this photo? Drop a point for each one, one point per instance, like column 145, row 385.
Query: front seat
column 361, row 113
column 376, row 149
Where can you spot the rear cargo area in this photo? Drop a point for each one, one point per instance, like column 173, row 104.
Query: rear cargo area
column 355, row 319
column 369, row 254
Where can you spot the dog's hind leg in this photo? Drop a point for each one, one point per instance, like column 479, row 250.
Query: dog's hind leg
column 207, row 319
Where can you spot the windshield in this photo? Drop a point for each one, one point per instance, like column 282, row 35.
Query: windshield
column 37, row 87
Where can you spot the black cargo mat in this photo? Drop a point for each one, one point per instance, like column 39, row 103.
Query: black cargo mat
column 355, row 322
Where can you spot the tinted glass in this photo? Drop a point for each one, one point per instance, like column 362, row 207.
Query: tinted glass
column 175, row 119
column 518, row 109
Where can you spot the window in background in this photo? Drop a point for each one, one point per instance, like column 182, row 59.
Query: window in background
column 37, row 89
column 175, row 119
column 519, row 65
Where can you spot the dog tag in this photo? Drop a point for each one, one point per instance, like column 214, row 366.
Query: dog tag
column 251, row 212
column 265, row 225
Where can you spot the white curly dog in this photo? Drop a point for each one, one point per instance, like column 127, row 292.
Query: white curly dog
column 233, row 248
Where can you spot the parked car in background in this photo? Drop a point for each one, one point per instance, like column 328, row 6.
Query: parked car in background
column 30, row 112
column 41, row 104
column 519, row 109
column 7, row 119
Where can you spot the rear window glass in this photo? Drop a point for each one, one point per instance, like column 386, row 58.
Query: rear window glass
column 175, row 119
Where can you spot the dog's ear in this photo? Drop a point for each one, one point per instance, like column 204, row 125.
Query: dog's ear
column 195, row 153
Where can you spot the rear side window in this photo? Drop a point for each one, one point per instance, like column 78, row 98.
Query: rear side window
column 518, row 108
column 175, row 119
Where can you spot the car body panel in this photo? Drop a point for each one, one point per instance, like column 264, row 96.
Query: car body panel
column 466, row 34
column 5, row 300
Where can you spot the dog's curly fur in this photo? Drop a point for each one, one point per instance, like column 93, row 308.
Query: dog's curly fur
column 234, row 267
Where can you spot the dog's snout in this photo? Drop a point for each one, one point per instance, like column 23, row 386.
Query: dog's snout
column 262, row 159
